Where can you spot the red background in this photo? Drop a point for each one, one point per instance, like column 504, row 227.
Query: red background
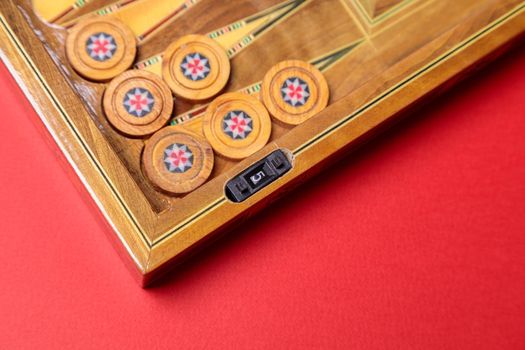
column 415, row 241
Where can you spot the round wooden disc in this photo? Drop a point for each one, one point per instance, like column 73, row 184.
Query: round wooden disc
column 294, row 91
column 100, row 48
column 176, row 160
column 195, row 67
column 237, row 125
column 138, row 103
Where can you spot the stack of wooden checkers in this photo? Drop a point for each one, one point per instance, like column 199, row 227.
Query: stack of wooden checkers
column 195, row 69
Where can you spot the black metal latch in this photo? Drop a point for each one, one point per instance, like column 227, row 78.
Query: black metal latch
column 259, row 175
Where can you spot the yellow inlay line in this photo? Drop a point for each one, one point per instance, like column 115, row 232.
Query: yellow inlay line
column 143, row 17
column 52, row 11
column 376, row 20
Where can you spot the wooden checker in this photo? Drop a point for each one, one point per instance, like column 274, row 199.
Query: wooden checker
column 138, row 103
column 237, row 125
column 294, row 91
column 100, row 48
column 176, row 160
column 195, row 67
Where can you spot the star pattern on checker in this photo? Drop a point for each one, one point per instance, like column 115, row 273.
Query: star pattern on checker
column 295, row 92
column 237, row 124
column 101, row 46
column 195, row 66
column 138, row 102
column 178, row 158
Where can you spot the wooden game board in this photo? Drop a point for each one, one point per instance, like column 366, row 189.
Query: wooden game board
column 379, row 57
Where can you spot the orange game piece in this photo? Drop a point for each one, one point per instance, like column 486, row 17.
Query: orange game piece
column 176, row 160
column 237, row 125
column 195, row 67
column 100, row 48
column 294, row 91
column 138, row 103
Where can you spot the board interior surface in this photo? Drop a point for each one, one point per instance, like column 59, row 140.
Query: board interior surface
column 378, row 56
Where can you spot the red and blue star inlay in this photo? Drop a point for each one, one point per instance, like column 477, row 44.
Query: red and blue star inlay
column 195, row 66
column 101, row 46
column 178, row 158
column 295, row 92
column 237, row 124
column 138, row 102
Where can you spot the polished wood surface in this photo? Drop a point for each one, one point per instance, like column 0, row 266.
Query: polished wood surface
column 378, row 57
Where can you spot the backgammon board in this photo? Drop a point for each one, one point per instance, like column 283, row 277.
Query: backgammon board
column 180, row 117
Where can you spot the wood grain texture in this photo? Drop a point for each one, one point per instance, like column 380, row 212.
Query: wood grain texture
column 375, row 8
column 58, row 11
column 396, row 61
column 89, row 6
